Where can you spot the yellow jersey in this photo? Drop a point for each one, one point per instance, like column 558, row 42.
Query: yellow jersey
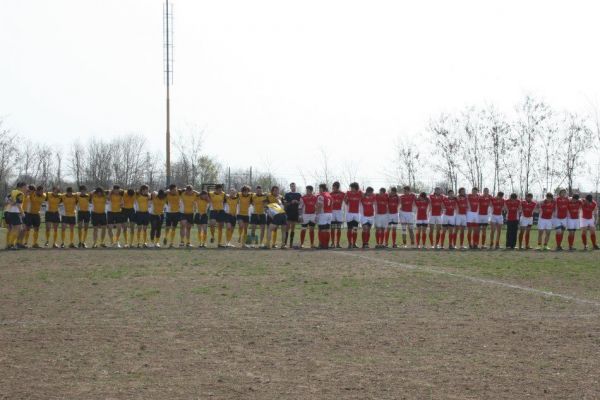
column 35, row 203
column 201, row 205
column 188, row 201
column 116, row 201
column 232, row 203
column 17, row 197
column 173, row 205
column 99, row 203
column 53, row 200
column 274, row 209
column 273, row 199
column 244, row 202
column 142, row 202
column 69, row 204
column 128, row 200
column 217, row 201
column 83, row 202
column 158, row 205
column 257, row 203
column 26, row 203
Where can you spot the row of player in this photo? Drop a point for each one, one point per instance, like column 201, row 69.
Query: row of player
column 440, row 215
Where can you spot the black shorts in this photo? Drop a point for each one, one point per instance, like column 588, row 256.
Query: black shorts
column 258, row 219
column 99, row 219
column 128, row 215
column 231, row 219
column 425, row 225
column 142, row 218
column 113, row 217
column 243, row 218
column 218, row 215
column 68, row 220
column 157, row 219
column 279, row 219
column 83, row 216
column 13, row 218
column 52, row 217
column 187, row 217
column 201, row 219
column 311, row 224
column 32, row 220
column 292, row 215
column 172, row 219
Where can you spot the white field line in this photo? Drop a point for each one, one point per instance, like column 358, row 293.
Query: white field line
column 474, row 279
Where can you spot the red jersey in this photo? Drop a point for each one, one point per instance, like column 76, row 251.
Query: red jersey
column 393, row 202
column 513, row 209
column 547, row 208
column 327, row 201
column 368, row 205
column 338, row 199
column 353, row 200
column 422, row 207
column 407, row 201
column 497, row 206
column 436, row 204
column 449, row 205
column 587, row 209
column 562, row 207
column 309, row 201
column 473, row 200
column 382, row 203
column 574, row 208
column 527, row 208
column 484, row 204
column 462, row 204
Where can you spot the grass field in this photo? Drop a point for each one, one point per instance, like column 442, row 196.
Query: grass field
column 299, row 324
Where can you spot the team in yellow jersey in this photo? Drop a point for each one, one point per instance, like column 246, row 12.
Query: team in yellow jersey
column 119, row 211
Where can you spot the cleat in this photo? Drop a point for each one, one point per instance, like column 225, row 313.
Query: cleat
column 62, row 246
column 46, row 244
column 212, row 239
column 55, row 246
column 117, row 245
column 558, row 248
column 83, row 246
column 157, row 246
column 596, row 247
column 72, row 246
column 21, row 246
column 104, row 246
column 36, row 246
column 571, row 248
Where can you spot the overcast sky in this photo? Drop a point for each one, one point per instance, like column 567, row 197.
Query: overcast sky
column 273, row 82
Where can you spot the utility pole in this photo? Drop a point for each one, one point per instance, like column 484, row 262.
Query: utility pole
column 168, row 71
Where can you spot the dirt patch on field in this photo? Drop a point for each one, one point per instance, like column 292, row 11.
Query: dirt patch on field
column 250, row 324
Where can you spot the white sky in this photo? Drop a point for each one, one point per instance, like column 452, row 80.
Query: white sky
column 264, row 78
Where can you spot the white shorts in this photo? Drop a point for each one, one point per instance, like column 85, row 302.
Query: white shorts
column 449, row 220
column 483, row 219
column 572, row 224
column 308, row 218
column 497, row 219
column 460, row 220
column 381, row 220
column 324, row 219
column 525, row 221
column 407, row 217
column 337, row 216
column 352, row 217
column 545, row 224
column 393, row 219
column 435, row 220
column 422, row 222
column 588, row 223
column 367, row 220
column 558, row 223
column 472, row 217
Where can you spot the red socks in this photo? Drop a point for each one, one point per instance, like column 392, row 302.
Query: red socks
column 593, row 237
column 571, row 238
column 312, row 238
column 462, row 238
column 559, row 238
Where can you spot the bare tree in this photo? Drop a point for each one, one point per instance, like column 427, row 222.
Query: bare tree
column 447, row 143
column 575, row 140
column 406, row 163
column 77, row 160
column 531, row 116
column 498, row 139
